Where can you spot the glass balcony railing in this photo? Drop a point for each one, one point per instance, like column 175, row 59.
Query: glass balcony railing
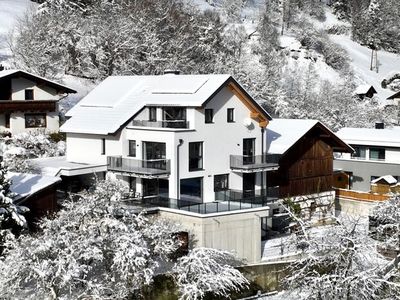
column 153, row 167
column 255, row 162
column 181, row 124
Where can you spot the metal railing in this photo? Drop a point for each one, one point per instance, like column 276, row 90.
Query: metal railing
column 254, row 161
column 205, row 208
column 146, row 167
column 161, row 124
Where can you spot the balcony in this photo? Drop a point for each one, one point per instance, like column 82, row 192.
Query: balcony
column 28, row 106
column 176, row 124
column 255, row 163
column 155, row 168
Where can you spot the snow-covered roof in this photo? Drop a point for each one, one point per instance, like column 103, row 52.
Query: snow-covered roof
column 24, row 184
column 370, row 137
column 394, row 96
column 387, row 178
column 118, row 98
column 16, row 72
column 282, row 134
column 59, row 166
column 363, row 89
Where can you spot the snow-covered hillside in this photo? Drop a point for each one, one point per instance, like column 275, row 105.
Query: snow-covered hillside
column 10, row 11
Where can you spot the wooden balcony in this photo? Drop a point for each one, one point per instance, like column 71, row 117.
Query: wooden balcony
column 11, row 106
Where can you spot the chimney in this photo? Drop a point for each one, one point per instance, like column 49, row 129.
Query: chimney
column 174, row 72
column 1, row 67
column 379, row 125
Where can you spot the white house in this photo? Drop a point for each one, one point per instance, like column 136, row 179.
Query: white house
column 377, row 153
column 29, row 102
column 179, row 136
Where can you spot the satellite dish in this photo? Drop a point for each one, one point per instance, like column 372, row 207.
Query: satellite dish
column 247, row 122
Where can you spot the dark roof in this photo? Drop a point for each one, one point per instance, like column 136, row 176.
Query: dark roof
column 395, row 95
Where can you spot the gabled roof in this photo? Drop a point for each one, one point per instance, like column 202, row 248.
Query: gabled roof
column 389, row 137
column 364, row 89
column 19, row 73
column 283, row 134
column 119, row 98
column 389, row 179
column 395, row 95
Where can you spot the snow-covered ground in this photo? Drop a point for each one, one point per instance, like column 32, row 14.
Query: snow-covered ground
column 10, row 11
column 361, row 61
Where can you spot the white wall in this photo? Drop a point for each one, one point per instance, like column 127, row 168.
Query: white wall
column 18, row 86
column 238, row 232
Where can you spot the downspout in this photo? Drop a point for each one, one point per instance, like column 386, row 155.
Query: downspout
column 262, row 160
column 177, row 169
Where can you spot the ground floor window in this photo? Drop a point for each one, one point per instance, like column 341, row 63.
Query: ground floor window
column 35, row 120
column 221, row 182
column 192, row 189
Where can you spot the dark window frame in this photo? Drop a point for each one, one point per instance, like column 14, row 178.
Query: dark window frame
column 152, row 114
column 29, row 94
column 381, row 153
column 42, row 115
column 103, row 146
column 357, row 152
column 230, row 115
column 196, row 158
column 132, row 148
column 7, row 118
column 221, row 182
column 208, row 115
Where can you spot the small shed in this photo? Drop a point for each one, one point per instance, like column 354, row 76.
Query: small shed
column 383, row 184
column 37, row 192
column 365, row 90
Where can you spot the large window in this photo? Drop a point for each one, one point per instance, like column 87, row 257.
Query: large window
column 152, row 114
column 195, row 156
column 35, row 120
column 230, row 115
column 154, row 155
column 359, row 152
column 132, row 148
column 29, row 94
column 221, row 182
column 191, row 189
column 376, row 153
column 209, row 115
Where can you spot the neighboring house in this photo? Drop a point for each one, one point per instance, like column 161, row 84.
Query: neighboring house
column 377, row 153
column 37, row 192
column 29, row 102
column 395, row 98
column 365, row 90
column 306, row 163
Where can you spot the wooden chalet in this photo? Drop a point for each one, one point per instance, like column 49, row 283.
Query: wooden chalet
column 306, row 163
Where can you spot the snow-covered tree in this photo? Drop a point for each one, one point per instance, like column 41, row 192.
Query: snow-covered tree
column 99, row 247
column 208, row 271
column 341, row 262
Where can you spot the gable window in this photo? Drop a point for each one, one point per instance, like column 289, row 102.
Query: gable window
column 132, row 148
column 230, row 115
column 174, row 117
column 195, row 156
column 359, row 152
column 29, row 94
column 221, row 182
column 152, row 114
column 7, row 121
column 103, row 146
column 209, row 115
column 35, row 120
column 377, row 154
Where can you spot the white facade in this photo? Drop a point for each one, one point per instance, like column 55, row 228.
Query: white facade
column 220, row 139
column 28, row 102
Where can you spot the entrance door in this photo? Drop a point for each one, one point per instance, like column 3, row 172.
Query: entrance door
column 249, row 183
column 248, row 151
